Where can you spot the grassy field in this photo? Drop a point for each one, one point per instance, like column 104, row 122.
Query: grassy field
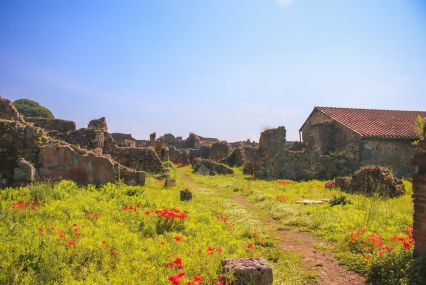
column 371, row 235
column 117, row 234
column 112, row 235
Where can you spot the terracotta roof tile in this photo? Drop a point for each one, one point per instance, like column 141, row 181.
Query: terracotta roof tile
column 376, row 123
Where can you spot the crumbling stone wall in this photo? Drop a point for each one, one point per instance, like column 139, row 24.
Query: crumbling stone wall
column 58, row 125
column 87, row 138
column 273, row 160
column 182, row 156
column 99, row 124
column 17, row 140
column 236, row 158
column 219, row 150
column 29, row 153
column 64, row 162
column 419, row 198
column 138, row 158
column 124, row 140
column 212, row 166
column 8, row 111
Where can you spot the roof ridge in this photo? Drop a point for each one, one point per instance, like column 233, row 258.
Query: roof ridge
column 370, row 109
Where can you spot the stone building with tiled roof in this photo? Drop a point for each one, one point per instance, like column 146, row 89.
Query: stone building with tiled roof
column 381, row 137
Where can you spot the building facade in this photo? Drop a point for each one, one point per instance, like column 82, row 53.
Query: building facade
column 382, row 137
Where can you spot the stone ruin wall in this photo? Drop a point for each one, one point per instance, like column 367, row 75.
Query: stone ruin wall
column 30, row 152
column 273, row 160
column 331, row 137
column 419, row 198
column 55, row 125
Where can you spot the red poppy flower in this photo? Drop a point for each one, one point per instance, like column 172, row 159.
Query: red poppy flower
column 178, row 238
column 176, row 278
column 198, row 279
column 250, row 245
column 71, row 242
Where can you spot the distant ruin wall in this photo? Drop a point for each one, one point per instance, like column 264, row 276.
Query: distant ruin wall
column 272, row 160
column 8, row 111
column 124, row 140
column 86, row 138
column 28, row 154
column 220, row 150
column 137, row 158
column 52, row 124
column 419, row 198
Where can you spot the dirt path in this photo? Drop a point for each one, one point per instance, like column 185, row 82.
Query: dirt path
column 328, row 270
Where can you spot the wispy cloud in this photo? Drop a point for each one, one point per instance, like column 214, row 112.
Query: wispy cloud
column 284, row 3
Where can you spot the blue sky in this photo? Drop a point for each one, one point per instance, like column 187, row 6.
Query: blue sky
column 220, row 68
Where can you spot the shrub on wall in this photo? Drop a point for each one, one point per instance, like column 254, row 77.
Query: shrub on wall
column 30, row 108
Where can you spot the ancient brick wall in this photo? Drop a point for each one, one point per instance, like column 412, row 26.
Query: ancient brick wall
column 52, row 124
column 419, row 198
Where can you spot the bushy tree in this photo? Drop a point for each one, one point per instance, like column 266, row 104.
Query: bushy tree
column 30, row 108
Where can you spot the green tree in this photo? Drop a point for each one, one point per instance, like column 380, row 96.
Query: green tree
column 30, row 108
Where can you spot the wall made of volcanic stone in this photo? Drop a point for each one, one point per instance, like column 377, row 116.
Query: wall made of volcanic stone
column 419, row 198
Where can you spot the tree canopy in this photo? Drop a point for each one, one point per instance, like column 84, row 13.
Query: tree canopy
column 30, row 108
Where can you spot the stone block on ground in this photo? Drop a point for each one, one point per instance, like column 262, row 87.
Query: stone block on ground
column 313, row 202
column 185, row 195
column 344, row 183
column 169, row 182
column 213, row 166
column 249, row 271
column 24, row 173
column 203, row 170
column 376, row 179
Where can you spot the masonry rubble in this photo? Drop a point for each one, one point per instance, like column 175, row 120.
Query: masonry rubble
column 54, row 149
column 249, row 271
column 273, row 159
column 213, row 166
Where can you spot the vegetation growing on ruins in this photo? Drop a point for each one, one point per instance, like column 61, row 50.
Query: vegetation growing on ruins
column 420, row 125
column 114, row 233
column 31, row 108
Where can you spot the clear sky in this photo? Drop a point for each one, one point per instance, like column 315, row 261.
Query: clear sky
column 219, row 68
